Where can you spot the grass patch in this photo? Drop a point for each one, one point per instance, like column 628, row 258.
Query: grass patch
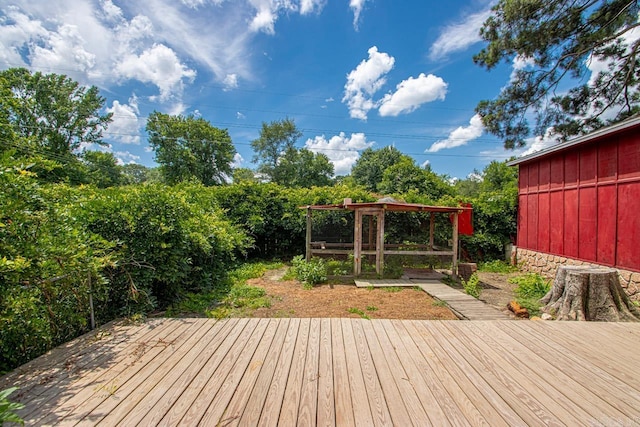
column 354, row 310
column 438, row 303
column 472, row 286
column 531, row 287
column 497, row 266
column 228, row 296
column 372, row 308
column 392, row 289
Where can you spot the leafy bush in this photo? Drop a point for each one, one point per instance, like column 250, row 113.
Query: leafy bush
column 531, row 287
column 472, row 286
column 497, row 266
column 8, row 408
column 309, row 272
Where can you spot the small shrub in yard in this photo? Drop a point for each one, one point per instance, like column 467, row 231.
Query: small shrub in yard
column 472, row 286
column 309, row 272
column 531, row 287
column 497, row 266
column 8, row 408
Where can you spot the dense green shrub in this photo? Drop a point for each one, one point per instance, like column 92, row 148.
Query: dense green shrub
column 472, row 286
column 309, row 272
column 46, row 261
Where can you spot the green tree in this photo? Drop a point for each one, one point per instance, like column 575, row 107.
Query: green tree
column 103, row 169
column 303, row 168
column 405, row 176
column 52, row 111
column 243, row 175
column 558, row 40
column 276, row 138
column 134, row 173
column 369, row 169
column 189, row 147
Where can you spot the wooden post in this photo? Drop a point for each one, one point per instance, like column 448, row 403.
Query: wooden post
column 432, row 230
column 308, row 238
column 454, row 264
column 380, row 244
column 357, row 243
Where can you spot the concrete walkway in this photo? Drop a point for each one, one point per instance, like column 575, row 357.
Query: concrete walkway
column 463, row 305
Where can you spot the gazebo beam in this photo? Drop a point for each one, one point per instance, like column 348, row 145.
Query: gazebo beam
column 308, row 236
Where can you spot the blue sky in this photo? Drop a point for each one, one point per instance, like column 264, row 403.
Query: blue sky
column 351, row 73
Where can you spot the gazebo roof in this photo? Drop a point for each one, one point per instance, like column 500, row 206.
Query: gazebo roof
column 387, row 204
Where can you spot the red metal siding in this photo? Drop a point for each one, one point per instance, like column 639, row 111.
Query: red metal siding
column 522, row 221
column 543, row 222
column 532, row 220
column 570, row 223
column 587, row 216
column 629, row 157
column 557, row 172
column 584, row 202
column 606, row 225
column 556, row 222
column 629, row 225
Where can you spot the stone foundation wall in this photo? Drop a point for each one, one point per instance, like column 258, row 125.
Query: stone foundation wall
column 547, row 264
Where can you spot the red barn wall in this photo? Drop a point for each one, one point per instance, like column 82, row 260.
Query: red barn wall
column 584, row 202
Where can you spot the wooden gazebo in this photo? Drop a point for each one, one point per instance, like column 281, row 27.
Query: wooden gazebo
column 377, row 210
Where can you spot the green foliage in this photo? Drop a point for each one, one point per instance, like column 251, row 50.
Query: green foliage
column 309, row 272
column 472, row 286
column 46, row 118
column 497, row 266
column 8, row 409
column 103, row 169
column 359, row 312
column 531, row 287
column 337, row 267
column 190, row 148
column 392, row 289
column 393, row 268
column 303, row 168
column 368, row 171
column 276, row 138
column 227, row 294
column 557, row 39
column 46, row 260
column 405, row 176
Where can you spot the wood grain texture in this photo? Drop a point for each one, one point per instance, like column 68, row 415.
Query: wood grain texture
column 341, row 372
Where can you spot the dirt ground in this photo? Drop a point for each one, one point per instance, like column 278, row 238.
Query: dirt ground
column 289, row 299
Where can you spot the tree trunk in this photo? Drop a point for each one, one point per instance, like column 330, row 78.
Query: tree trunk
column 584, row 293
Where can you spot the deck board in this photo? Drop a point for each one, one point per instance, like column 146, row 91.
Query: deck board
column 339, row 372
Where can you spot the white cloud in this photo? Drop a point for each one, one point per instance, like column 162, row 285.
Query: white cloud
column 520, row 63
column 426, row 164
column 330, row 99
column 461, row 136
column 126, row 124
column 311, row 6
column 238, row 160
column 160, row 66
column 366, row 79
column 230, row 82
column 412, row 93
column 240, row 116
column 540, row 142
column 356, row 6
column 125, row 157
column 459, row 36
column 342, row 151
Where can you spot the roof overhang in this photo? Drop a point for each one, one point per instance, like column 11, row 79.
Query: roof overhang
column 600, row 133
column 389, row 206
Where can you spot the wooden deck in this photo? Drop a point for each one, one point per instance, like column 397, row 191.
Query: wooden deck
column 338, row 372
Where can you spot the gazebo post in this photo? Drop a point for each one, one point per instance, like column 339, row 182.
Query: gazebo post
column 432, row 230
column 380, row 243
column 357, row 243
column 454, row 264
column 308, row 237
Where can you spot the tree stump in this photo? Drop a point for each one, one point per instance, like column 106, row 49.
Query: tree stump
column 584, row 293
